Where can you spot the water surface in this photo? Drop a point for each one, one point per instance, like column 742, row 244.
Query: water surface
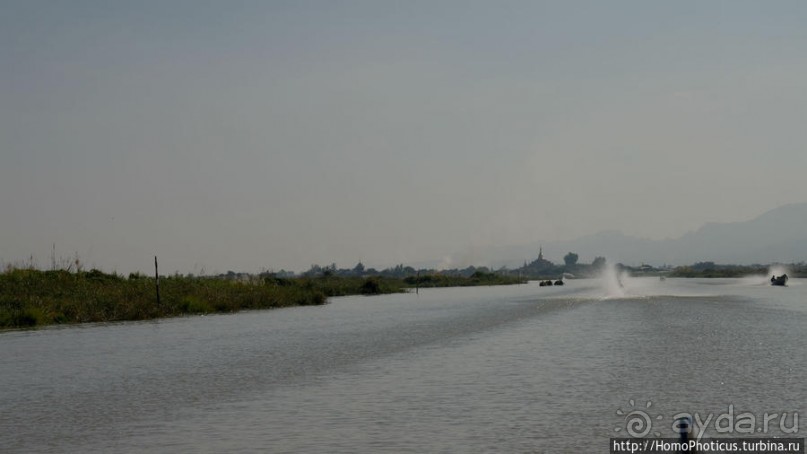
column 492, row 369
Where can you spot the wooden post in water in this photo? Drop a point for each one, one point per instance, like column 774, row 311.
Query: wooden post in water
column 157, row 279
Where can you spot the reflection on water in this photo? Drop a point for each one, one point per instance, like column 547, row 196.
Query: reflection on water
column 507, row 369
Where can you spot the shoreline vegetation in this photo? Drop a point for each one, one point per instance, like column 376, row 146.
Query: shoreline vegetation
column 31, row 297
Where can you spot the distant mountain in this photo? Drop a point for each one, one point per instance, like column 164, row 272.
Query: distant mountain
column 776, row 236
column 779, row 235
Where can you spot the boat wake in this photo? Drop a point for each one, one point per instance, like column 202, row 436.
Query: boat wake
column 614, row 283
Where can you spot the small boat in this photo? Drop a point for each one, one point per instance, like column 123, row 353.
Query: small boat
column 559, row 282
column 779, row 280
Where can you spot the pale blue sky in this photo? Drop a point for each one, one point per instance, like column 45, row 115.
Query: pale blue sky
column 267, row 135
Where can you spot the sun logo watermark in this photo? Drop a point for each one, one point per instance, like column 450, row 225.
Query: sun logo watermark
column 745, row 423
column 638, row 422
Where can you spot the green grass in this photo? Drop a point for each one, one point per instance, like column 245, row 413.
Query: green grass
column 30, row 297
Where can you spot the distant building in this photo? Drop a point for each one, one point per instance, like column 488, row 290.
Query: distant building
column 539, row 266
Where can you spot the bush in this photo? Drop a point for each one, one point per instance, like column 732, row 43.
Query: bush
column 21, row 318
column 371, row 286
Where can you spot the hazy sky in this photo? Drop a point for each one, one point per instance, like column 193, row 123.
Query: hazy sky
column 235, row 135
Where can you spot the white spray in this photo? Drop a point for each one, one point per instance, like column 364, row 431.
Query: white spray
column 613, row 281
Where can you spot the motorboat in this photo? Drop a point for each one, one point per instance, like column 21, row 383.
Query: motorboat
column 779, row 280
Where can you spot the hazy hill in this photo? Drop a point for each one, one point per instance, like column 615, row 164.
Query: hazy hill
column 779, row 235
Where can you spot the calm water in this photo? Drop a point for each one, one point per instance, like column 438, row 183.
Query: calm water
column 499, row 369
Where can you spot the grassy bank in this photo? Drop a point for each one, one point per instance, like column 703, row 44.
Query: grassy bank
column 30, row 297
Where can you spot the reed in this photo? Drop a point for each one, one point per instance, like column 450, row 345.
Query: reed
column 31, row 297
